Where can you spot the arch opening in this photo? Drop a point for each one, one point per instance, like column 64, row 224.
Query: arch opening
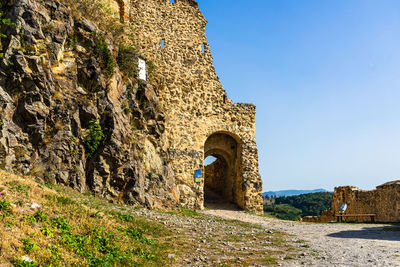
column 209, row 160
column 222, row 155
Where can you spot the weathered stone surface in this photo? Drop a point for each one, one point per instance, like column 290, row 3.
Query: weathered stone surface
column 194, row 102
column 51, row 89
column 384, row 201
column 156, row 132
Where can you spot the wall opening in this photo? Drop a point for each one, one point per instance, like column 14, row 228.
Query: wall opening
column 162, row 43
column 209, row 160
column 203, row 48
column 142, row 69
column 222, row 177
column 171, row 1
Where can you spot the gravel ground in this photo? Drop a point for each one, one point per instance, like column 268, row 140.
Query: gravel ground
column 334, row 244
column 208, row 240
column 221, row 235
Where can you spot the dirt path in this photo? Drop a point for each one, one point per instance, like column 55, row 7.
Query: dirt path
column 332, row 244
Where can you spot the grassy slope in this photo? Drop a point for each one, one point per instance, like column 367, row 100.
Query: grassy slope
column 71, row 228
column 64, row 231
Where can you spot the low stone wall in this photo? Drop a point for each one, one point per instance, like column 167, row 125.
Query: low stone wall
column 384, row 201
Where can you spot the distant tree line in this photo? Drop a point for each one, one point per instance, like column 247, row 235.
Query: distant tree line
column 295, row 207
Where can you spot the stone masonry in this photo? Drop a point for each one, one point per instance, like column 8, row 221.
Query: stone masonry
column 128, row 112
column 172, row 36
column 384, row 201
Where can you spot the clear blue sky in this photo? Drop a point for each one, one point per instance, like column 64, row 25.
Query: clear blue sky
column 325, row 76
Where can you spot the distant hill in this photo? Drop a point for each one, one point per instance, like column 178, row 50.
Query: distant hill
column 283, row 193
column 295, row 207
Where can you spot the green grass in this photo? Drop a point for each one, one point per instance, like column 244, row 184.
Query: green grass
column 60, row 199
column 4, row 205
column 22, row 263
column 72, row 229
column 29, row 246
column 270, row 260
column 184, row 212
column 17, row 186
column 239, row 223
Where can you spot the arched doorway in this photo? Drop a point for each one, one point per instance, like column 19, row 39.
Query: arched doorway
column 222, row 176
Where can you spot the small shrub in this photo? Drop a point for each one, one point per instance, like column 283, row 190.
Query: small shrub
column 97, row 246
column 105, row 55
column 47, row 231
column 4, row 23
column 188, row 212
column 4, row 205
column 22, row 263
column 138, row 236
column 60, row 199
column 75, row 242
column 143, row 254
column 48, row 185
column 93, row 139
column 17, row 186
column 55, row 254
column 37, row 217
column 124, row 60
column 150, row 67
column 49, row 177
column 28, row 245
column 61, row 224
column 96, row 215
column 123, row 216
column 41, row 217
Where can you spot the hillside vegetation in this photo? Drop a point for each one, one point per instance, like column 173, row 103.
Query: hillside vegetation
column 49, row 225
column 52, row 225
column 295, row 207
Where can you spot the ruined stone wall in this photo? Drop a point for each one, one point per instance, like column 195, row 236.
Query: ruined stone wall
column 384, row 201
column 192, row 97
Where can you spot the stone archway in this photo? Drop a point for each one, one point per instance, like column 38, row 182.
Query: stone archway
column 223, row 176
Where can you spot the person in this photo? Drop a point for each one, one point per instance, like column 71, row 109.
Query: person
column 342, row 208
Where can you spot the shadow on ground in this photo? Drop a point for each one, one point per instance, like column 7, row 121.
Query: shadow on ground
column 390, row 233
column 214, row 201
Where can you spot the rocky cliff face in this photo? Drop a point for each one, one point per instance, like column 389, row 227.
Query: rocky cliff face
column 69, row 115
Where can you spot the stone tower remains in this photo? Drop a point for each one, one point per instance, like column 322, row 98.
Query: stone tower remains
column 200, row 118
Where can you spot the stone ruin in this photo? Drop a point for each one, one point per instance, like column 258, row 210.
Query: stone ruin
column 158, row 127
column 384, row 201
column 200, row 118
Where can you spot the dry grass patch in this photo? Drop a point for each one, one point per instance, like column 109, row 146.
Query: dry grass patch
column 53, row 228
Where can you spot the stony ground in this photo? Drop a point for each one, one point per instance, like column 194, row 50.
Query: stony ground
column 208, row 240
column 220, row 235
column 333, row 244
column 224, row 236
